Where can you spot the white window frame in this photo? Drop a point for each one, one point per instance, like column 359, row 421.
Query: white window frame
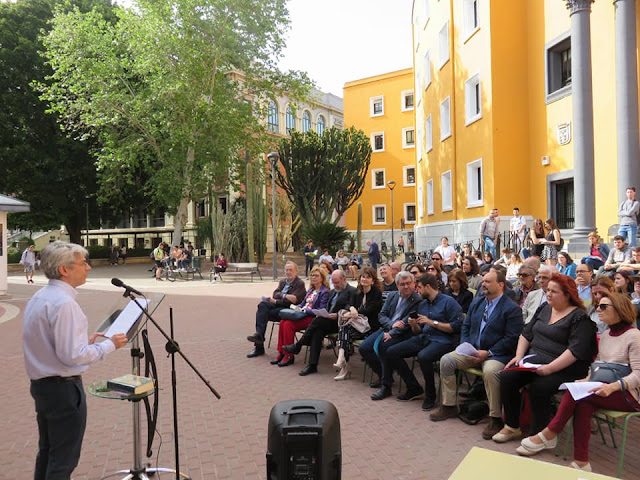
column 471, row 18
column 373, row 142
column 406, row 217
column 405, row 144
column 426, row 68
column 428, row 127
column 306, row 118
column 475, row 198
column 403, row 100
column 321, row 125
column 373, row 213
column 372, row 103
column 445, row 119
column 405, row 179
column 373, row 179
column 430, row 209
column 420, row 202
column 443, row 45
column 446, row 188
column 473, row 99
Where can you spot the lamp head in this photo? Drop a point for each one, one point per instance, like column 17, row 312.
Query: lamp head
column 273, row 157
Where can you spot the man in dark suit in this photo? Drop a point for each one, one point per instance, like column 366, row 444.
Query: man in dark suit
column 493, row 325
column 374, row 254
column 291, row 290
column 341, row 297
column 394, row 322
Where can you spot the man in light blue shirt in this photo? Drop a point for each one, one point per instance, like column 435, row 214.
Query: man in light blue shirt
column 57, row 349
column 584, row 274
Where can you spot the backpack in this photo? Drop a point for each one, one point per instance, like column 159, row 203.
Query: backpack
column 472, row 411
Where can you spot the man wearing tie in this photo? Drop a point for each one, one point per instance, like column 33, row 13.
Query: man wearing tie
column 493, row 325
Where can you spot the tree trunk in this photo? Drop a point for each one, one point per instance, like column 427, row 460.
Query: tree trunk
column 74, row 227
column 181, row 215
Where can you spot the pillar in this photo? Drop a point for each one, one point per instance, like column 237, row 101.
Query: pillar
column 582, row 97
column 626, row 97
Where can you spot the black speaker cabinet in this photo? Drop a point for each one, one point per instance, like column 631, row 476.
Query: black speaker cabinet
column 304, row 441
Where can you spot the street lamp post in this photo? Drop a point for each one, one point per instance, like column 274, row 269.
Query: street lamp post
column 273, row 159
column 391, row 184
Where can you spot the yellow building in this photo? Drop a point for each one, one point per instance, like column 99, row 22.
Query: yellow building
column 383, row 107
column 495, row 100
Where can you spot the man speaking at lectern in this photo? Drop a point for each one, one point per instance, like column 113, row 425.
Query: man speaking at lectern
column 57, row 349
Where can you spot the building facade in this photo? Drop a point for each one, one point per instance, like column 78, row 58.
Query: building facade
column 383, row 107
column 513, row 109
column 143, row 230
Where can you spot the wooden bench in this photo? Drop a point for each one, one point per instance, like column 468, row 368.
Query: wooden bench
column 238, row 269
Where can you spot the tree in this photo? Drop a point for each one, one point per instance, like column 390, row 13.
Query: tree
column 37, row 162
column 161, row 90
column 324, row 175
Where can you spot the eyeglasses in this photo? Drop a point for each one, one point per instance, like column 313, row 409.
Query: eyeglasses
column 582, row 271
column 433, row 269
column 603, row 306
column 404, row 284
column 524, row 274
column 81, row 263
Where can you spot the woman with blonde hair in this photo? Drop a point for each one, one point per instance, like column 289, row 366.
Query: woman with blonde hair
column 598, row 252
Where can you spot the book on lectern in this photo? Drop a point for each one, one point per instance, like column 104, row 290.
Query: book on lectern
column 132, row 384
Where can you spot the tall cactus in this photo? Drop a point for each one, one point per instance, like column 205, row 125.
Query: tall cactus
column 359, row 234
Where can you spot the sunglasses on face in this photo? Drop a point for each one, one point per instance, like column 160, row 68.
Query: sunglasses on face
column 432, row 269
column 415, row 273
column 603, row 306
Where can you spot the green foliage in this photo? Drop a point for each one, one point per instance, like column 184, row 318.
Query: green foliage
column 327, row 235
column 324, row 175
column 99, row 251
column 159, row 88
column 14, row 257
column 37, row 162
column 352, row 242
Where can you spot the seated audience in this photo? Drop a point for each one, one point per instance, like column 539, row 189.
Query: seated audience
column 599, row 286
column 513, row 267
column 598, row 252
column 290, row 291
column 396, row 268
column 434, row 332
column 472, row 270
column 447, row 252
column 619, row 255
column 340, row 298
column 394, row 328
column 634, row 264
column 565, row 265
column 355, row 264
column 536, row 298
column 220, row 266
column 416, row 269
column 368, row 302
column 341, row 261
column 526, row 284
column 562, row 339
column 436, row 259
column 300, row 316
column 620, row 344
column 584, row 275
column 623, row 282
column 325, row 256
column 505, row 257
column 488, row 258
column 433, row 267
column 536, row 235
column 388, row 280
column 458, row 289
column 477, row 254
column 492, row 326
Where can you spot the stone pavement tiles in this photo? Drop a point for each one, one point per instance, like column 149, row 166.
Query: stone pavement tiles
column 227, row 438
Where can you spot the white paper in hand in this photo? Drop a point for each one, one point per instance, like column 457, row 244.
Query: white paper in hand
column 467, row 350
column 580, row 390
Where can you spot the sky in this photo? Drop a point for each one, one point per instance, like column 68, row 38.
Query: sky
column 337, row 41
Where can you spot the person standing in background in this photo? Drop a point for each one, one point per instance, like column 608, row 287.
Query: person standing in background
column 628, row 217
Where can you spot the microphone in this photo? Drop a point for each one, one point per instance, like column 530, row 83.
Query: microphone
column 119, row 283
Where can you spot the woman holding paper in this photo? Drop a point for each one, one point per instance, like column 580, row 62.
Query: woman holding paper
column 298, row 317
column 621, row 344
column 560, row 341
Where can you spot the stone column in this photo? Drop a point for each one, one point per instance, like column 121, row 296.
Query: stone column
column 626, row 97
column 582, row 97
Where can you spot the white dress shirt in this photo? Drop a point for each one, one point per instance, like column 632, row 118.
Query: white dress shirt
column 55, row 334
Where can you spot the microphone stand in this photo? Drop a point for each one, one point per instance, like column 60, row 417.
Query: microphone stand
column 139, row 471
column 171, row 348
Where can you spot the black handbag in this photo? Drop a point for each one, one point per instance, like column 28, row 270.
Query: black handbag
column 609, row 372
column 471, row 412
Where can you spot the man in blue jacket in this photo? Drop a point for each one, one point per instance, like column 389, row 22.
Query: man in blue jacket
column 394, row 328
column 493, row 325
column 435, row 330
column 374, row 254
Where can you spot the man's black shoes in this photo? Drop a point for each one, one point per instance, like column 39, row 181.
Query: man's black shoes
column 294, row 348
column 382, row 393
column 256, row 352
column 309, row 369
column 256, row 338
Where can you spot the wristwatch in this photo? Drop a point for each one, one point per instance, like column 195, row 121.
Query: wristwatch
column 436, row 323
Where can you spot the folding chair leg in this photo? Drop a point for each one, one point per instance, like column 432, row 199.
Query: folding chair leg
column 273, row 325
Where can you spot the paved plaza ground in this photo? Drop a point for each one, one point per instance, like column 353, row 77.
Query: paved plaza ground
column 227, row 438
